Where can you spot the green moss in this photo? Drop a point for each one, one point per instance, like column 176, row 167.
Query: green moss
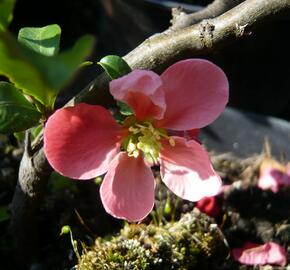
column 192, row 242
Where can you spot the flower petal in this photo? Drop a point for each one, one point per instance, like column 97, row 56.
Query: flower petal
column 273, row 175
column 271, row 179
column 186, row 169
column 196, row 92
column 127, row 191
column 80, row 141
column 255, row 254
column 209, row 205
column 142, row 91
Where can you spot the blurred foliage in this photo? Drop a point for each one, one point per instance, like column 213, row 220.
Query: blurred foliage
column 16, row 112
column 6, row 11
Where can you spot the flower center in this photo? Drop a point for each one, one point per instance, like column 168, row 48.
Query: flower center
column 146, row 139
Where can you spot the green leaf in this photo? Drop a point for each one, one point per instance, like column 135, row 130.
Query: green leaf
column 16, row 112
column 114, row 66
column 4, row 213
column 44, row 40
column 34, row 133
column 124, row 108
column 38, row 75
column 19, row 136
column 36, row 130
column 6, row 13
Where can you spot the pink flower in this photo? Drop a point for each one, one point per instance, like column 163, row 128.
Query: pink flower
column 209, row 205
column 273, row 175
column 255, row 254
column 84, row 141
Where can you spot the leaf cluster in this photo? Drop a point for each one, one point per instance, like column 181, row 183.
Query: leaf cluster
column 35, row 71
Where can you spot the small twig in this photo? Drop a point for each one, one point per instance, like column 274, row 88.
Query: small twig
column 27, row 143
column 81, row 220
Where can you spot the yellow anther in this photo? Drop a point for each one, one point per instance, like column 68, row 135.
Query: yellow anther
column 171, row 141
column 157, row 136
column 140, row 145
column 135, row 153
column 131, row 147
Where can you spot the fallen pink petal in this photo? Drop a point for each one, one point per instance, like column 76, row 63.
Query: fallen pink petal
column 209, row 206
column 225, row 188
column 186, row 97
column 273, row 176
column 256, row 254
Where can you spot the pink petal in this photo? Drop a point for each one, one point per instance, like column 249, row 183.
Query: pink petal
column 273, row 175
column 186, row 169
column 270, row 179
column 80, row 141
column 127, row 191
column 196, row 92
column 142, row 91
column 288, row 169
column 255, row 254
column 209, row 205
column 224, row 189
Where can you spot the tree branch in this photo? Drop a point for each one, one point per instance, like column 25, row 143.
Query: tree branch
column 161, row 50
column 34, row 172
column 181, row 20
column 156, row 53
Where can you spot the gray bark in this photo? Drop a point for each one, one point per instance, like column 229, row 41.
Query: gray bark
column 181, row 20
column 34, row 172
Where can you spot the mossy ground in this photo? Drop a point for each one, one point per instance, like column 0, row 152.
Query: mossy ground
column 193, row 241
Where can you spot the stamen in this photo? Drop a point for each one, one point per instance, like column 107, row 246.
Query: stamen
column 171, row 141
column 140, row 145
column 134, row 130
column 135, row 153
column 131, row 147
column 157, row 136
column 145, row 138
